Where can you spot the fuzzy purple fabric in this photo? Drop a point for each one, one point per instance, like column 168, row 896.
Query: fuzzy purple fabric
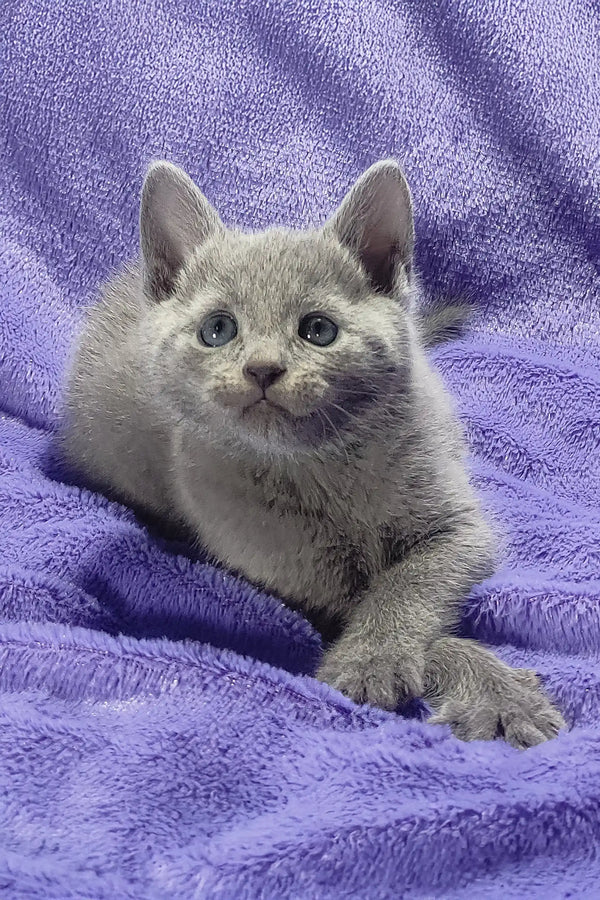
column 160, row 734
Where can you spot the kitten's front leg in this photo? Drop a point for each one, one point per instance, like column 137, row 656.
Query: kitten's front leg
column 481, row 698
column 380, row 656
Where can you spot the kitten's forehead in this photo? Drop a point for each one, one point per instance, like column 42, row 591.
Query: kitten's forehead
column 281, row 268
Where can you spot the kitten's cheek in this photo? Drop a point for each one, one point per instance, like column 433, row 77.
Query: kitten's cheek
column 297, row 404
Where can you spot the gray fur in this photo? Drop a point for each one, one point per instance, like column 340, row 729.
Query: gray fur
column 442, row 322
column 350, row 498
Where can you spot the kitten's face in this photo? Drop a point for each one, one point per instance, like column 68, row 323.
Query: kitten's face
column 276, row 342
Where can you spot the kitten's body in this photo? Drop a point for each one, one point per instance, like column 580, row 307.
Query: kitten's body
column 346, row 494
column 312, row 527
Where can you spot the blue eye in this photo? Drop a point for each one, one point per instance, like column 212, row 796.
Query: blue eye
column 218, row 329
column 318, row 330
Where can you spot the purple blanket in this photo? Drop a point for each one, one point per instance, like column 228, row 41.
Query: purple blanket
column 161, row 735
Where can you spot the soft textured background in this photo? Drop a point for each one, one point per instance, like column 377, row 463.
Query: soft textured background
column 160, row 734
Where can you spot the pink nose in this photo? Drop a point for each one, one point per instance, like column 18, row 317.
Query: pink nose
column 265, row 374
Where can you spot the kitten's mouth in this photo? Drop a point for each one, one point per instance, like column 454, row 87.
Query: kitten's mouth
column 270, row 421
column 264, row 405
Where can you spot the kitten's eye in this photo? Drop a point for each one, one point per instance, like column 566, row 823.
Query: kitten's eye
column 318, row 330
column 218, row 329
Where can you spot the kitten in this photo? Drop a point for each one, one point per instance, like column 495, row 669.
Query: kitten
column 271, row 392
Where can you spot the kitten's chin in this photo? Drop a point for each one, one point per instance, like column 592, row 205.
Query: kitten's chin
column 268, row 427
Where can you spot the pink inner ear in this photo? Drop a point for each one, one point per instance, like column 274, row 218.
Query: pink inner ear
column 375, row 221
column 176, row 218
column 385, row 239
column 380, row 265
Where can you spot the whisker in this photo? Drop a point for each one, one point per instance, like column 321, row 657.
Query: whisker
column 322, row 412
column 384, row 416
column 357, row 393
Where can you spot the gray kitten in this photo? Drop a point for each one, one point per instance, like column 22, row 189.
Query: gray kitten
column 271, row 392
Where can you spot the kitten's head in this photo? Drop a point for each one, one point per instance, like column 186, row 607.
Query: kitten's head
column 281, row 341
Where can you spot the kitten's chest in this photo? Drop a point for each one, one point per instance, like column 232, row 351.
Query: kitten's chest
column 291, row 541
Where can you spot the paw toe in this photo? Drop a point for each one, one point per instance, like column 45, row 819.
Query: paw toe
column 522, row 725
column 378, row 680
column 523, row 734
column 467, row 723
column 551, row 723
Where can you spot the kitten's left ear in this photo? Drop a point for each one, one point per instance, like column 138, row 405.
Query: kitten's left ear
column 375, row 222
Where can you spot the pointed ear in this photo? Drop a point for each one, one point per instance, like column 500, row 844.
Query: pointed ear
column 375, row 222
column 175, row 218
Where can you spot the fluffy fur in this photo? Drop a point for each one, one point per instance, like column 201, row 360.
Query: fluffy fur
column 342, row 485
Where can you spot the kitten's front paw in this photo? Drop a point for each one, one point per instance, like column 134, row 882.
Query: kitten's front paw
column 517, row 711
column 378, row 676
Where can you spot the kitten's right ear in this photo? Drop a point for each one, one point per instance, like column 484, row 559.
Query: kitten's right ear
column 175, row 218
